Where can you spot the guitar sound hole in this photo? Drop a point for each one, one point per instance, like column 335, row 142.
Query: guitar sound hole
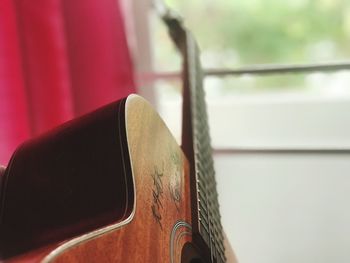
column 196, row 260
column 190, row 254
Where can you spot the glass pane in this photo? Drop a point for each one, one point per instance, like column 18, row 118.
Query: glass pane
column 237, row 33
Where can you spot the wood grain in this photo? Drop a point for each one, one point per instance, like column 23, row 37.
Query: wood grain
column 159, row 169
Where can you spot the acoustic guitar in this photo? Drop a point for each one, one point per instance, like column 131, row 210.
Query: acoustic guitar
column 114, row 186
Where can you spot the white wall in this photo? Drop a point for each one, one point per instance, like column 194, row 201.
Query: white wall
column 281, row 121
column 284, row 207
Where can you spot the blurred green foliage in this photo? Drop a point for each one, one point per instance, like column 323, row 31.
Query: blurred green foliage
column 269, row 31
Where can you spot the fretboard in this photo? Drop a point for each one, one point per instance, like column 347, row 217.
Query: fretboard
column 196, row 145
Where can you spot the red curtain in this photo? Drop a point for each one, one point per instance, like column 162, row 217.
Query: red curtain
column 58, row 59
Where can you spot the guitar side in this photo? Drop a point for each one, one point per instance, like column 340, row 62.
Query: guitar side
column 159, row 225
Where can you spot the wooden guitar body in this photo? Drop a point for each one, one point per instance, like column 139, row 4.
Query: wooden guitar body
column 149, row 217
column 159, row 223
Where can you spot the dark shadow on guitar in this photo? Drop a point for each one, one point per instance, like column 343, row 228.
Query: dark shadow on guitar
column 69, row 181
column 190, row 255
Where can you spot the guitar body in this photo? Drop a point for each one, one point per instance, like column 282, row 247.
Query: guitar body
column 158, row 226
column 149, row 221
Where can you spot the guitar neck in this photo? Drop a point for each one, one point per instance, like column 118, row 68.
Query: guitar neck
column 197, row 147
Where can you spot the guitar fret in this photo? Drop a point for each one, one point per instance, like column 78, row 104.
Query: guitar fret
column 204, row 207
column 202, row 196
column 204, row 227
column 206, row 197
column 204, row 220
column 205, row 235
column 207, row 183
